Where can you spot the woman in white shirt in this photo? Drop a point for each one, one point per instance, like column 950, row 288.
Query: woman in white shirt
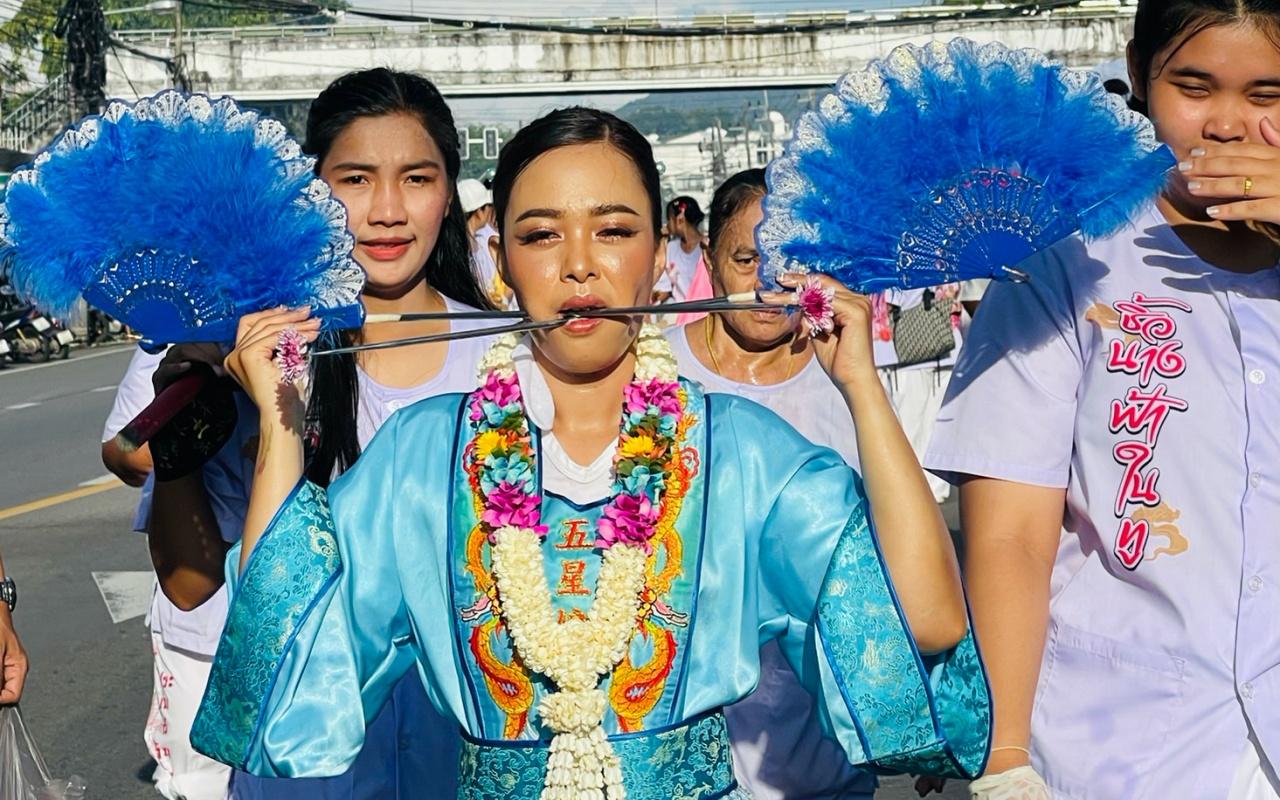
column 778, row 748
column 685, row 268
column 385, row 141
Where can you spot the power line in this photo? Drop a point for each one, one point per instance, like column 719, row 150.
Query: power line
column 115, row 52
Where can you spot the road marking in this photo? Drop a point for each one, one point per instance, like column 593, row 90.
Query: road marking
column 58, row 499
column 127, row 594
column 76, row 358
column 103, row 389
column 108, row 478
column 20, row 406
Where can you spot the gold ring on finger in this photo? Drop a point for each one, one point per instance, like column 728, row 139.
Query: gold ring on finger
column 1248, row 186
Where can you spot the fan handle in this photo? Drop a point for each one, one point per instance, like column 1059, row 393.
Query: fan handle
column 169, row 401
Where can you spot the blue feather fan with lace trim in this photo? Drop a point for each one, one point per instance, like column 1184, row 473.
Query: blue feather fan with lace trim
column 179, row 214
column 954, row 161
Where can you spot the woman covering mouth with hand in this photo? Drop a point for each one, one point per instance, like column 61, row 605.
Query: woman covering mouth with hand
column 581, row 559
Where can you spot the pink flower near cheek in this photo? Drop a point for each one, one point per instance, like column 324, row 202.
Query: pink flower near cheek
column 817, row 304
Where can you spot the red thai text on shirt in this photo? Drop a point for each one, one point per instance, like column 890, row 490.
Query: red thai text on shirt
column 1148, row 350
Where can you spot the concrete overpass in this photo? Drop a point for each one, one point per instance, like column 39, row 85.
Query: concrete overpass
column 295, row 63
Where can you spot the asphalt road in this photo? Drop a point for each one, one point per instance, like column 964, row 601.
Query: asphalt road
column 90, row 683
column 77, row 564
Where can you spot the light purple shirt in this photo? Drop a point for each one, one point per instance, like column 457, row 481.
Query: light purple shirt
column 1147, row 384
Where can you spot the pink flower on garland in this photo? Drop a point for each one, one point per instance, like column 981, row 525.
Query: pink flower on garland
column 664, row 395
column 502, row 391
column 628, row 519
column 291, row 355
column 509, row 504
column 817, row 304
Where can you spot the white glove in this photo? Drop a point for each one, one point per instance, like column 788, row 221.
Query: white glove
column 1019, row 783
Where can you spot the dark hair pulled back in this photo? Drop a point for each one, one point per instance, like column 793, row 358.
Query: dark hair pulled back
column 1160, row 23
column 686, row 206
column 731, row 197
column 574, row 126
column 360, row 95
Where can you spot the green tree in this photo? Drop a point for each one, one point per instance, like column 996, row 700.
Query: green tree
column 28, row 35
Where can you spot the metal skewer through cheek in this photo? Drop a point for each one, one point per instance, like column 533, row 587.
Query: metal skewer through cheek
column 522, row 327
column 746, row 301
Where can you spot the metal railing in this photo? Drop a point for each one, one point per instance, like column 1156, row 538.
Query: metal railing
column 32, row 124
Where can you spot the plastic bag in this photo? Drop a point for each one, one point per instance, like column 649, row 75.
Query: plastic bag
column 23, row 774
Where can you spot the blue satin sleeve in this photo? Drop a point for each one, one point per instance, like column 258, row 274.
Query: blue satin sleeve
column 825, row 593
column 317, row 632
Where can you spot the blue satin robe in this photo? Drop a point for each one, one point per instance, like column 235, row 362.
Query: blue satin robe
column 387, row 572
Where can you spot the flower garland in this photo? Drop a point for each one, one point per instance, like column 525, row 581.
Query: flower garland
column 575, row 653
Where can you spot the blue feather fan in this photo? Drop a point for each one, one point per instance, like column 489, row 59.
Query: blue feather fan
column 951, row 162
column 178, row 215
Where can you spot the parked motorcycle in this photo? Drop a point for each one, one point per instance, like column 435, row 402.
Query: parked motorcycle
column 27, row 334
column 103, row 329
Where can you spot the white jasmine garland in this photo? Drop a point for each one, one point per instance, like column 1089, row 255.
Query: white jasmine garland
column 581, row 763
column 498, row 357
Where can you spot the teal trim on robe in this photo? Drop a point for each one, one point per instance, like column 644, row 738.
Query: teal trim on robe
column 775, row 543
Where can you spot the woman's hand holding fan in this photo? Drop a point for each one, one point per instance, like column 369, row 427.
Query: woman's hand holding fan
column 254, row 363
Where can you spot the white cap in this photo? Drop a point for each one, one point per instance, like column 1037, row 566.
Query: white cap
column 473, row 195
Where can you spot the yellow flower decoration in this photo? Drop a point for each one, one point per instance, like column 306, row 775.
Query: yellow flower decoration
column 641, row 445
column 487, row 442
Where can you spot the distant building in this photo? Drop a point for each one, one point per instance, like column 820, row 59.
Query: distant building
column 696, row 163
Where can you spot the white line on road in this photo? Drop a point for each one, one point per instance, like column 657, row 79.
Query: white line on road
column 103, row 389
column 20, row 406
column 100, row 481
column 127, row 594
column 78, row 357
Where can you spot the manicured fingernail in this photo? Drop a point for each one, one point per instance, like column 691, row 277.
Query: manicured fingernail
column 1197, row 152
column 1213, row 211
column 1193, row 185
column 1185, row 166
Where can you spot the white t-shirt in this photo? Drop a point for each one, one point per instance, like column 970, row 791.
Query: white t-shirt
column 779, row 749
column 808, row 400
column 197, row 630
column 486, row 268
column 680, row 271
column 458, row 374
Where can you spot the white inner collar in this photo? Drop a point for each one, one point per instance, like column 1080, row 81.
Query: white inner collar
column 596, row 477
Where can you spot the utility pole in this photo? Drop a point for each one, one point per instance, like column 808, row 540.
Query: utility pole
column 81, row 24
column 179, row 55
column 768, row 125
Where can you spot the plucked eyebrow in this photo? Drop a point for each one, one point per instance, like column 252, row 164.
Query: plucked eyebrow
column 1207, row 77
column 598, row 211
column 355, row 166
